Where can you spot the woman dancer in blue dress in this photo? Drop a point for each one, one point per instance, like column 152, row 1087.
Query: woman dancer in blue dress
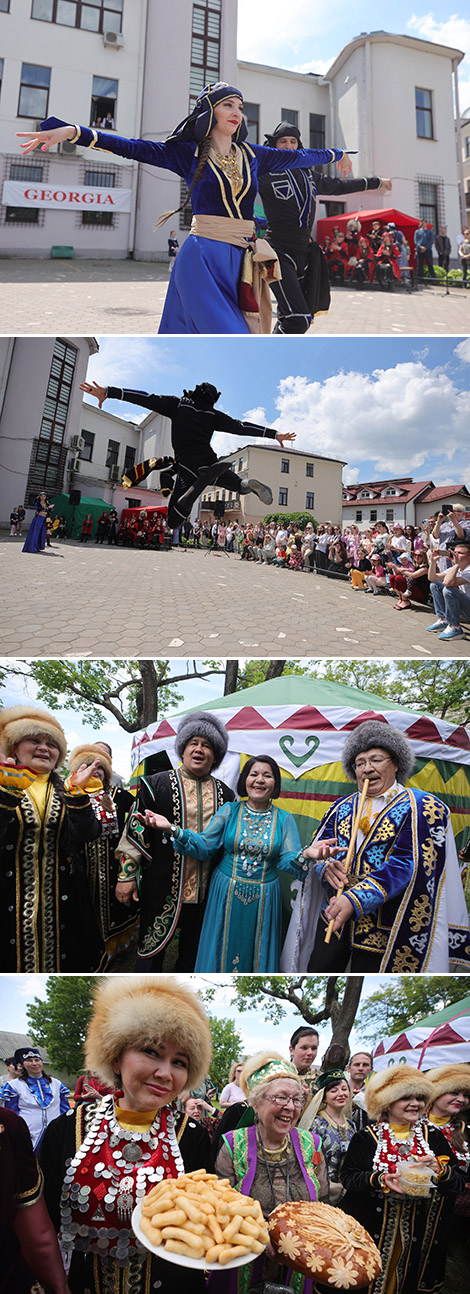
column 241, row 930
column 35, row 541
column 211, row 289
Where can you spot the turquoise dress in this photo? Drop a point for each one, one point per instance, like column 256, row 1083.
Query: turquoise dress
column 242, row 924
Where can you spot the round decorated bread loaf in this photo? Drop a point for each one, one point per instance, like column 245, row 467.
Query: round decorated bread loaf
column 324, row 1243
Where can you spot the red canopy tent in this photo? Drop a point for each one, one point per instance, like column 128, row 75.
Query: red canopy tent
column 407, row 224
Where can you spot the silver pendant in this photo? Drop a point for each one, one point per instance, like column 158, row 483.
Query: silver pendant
column 132, row 1153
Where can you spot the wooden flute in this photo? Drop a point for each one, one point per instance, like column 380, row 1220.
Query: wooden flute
column 350, row 853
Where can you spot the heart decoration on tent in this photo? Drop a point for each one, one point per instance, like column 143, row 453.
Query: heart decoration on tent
column 298, row 760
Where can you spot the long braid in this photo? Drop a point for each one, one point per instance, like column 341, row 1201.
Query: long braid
column 203, row 156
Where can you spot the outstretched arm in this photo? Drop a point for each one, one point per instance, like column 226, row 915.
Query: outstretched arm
column 169, row 156
column 287, row 159
column 164, row 404
column 236, row 428
column 331, row 184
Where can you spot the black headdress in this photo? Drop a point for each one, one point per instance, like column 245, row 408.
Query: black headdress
column 284, row 128
column 201, row 120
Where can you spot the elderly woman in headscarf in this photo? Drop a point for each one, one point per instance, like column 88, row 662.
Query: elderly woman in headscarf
column 272, row 1160
column 149, row 1038
column 111, row 805
column 409, row 1231
column 328, row 1115
column 46, row 917
column 401, row 907
column 215, row 286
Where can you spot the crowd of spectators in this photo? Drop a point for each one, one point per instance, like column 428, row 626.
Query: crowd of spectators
column 383, row 256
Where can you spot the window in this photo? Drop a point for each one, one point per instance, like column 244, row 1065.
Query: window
column 1, row 65
column 365, row 494
column 373, row 514
column 283, row 498
column 23, row 215
column 310, row 500
column 34, row 91
column 103, row 103
column 309, row 470
column 4, row 6
column 133, row 503
column 467, row 147
column 358, row 514
column 428, row 203
column 129, row 458
column 100, row 180
column 317, row 132
column 48, row 454
column 290, row 114
column 240, row 465
column 389, row 514
column 113, row 453
column 205, row 46
column 251, row 111
column 87, row 452
column 391, row 490
column 424, row 122
column 285, row 464
column 90, row 15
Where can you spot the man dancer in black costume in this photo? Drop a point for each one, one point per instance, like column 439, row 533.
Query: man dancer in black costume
column 193, row 422
column 289, row 199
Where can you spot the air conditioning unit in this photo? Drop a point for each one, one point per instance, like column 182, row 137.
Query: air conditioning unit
column 113, row 38
column 67, row 148
column 78, row 443
column 74, row 464
column 114, row 473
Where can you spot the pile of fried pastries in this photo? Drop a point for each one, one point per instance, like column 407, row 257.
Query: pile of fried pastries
column 200, row 1215
column 322, row 1241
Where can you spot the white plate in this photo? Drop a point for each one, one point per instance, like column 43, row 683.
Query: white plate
column 180, row 1259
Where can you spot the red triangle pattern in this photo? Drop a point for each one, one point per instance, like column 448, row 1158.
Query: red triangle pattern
column 424, row 730
column 401, row 1043
column 248, row 717
column 163, row 730
column 361, row 718
column 460, row 738
column 308, row 718
column 445, row 1035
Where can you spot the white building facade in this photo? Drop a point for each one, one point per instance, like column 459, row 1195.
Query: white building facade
column 142, row 64
column 50, row 439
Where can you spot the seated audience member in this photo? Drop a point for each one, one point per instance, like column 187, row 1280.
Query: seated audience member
column 360, row 568
column 450, row 591
column 375, row 236
column 411, row 580
column 386, row 266
column 375, row 582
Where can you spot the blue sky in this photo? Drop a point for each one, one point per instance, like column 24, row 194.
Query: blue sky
column 388, row 405
column 307, row 37
column 17, row 991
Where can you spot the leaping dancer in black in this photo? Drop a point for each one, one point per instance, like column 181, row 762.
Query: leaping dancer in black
column 289, row 200
column 195, row 466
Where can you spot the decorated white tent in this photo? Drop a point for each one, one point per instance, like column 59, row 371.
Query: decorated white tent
column 303, row 722
column 441, row 1039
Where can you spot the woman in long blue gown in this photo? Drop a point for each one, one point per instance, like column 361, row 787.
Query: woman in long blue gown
column 35, row 541
column 208, row 150
column 255, row 840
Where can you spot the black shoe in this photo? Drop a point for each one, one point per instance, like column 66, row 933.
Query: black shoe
column 252, row 486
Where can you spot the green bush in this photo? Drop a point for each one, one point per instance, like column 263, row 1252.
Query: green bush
column 290, row 518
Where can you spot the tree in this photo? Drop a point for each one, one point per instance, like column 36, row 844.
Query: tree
column 315, row 997
column 227, row 1046
column 60, row 1023
column 134, row 692
column 439, row 687
column 300, row 519
column 408, row 999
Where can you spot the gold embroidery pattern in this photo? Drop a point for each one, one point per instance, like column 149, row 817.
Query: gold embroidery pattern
column 421, row 913
column 433, row 810
column 429, row 853
column 404, row 960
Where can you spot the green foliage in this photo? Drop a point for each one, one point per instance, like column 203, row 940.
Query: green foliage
column 258, row 671
column 437, row 687
column 227, row 1046
column 307, row 993
column 60, row 1022
column 300, row 519
column 408, row 999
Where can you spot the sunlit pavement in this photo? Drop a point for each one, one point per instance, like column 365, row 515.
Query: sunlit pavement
column 99, row 601
column 80, row 297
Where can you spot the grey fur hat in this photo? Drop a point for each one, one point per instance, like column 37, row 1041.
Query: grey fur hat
column 372, row 732
column 201, row 723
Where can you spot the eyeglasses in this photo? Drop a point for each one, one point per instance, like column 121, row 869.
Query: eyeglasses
column 373, row 763
column 296, row 1101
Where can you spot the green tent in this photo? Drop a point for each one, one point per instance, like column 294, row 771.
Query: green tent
column 76, row 516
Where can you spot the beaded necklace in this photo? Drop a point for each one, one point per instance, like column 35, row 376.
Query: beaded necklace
column 462, row 1156
column 109, row 1174
column 230, row 164
column 390, row 1149
column 276, row 1157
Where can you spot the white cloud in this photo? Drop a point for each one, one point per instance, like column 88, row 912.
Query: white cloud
column 268, row 30
column 463, row 350
column 454, row 32
column 351, row 475
column 126, row 361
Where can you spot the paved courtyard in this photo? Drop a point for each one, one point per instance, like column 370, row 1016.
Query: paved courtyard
column 79, row 297
column 99, row 601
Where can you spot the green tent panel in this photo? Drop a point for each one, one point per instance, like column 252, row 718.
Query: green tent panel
column 76, row 516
